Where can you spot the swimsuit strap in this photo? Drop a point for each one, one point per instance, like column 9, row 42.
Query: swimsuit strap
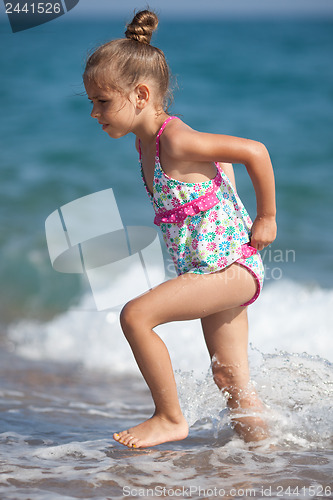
column 157, row 138
column 140, row 155
column 159, row 135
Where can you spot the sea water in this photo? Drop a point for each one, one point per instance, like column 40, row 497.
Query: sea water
column 68, row 377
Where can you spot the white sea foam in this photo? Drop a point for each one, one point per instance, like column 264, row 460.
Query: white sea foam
column 288, row 317
column 69, row 450
column 290, row 338
column 294, row 318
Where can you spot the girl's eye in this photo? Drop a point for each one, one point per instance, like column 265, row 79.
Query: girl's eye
column 99, row 100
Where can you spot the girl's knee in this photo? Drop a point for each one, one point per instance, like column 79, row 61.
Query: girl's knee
column 132, row 316
column 127, row 317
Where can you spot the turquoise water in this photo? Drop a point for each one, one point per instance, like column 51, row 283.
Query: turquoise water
column 68, row 378
column 271, row 82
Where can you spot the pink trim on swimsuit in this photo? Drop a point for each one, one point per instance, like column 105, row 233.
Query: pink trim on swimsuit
column 157, row 141
column 179, row 214
column 159, row 135
column 248, row 251
column 259, row 285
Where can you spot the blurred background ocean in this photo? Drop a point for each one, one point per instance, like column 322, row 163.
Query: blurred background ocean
column 269, row 80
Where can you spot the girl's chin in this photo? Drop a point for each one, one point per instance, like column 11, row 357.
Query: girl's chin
column 114, row 135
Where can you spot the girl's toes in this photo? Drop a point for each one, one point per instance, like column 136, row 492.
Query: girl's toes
column 127, row 439
column 123, row 437
column 132, row 443
column 120, row 437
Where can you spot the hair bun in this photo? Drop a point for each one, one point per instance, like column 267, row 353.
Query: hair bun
column 143, row 25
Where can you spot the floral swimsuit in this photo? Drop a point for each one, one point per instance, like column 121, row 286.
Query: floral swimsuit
column 204, row 224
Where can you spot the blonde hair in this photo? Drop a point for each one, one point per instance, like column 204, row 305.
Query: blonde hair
column 123, row 63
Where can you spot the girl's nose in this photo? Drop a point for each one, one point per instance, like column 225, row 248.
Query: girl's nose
column 94, row 113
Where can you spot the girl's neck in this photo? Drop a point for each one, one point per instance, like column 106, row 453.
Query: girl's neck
column 149, row 126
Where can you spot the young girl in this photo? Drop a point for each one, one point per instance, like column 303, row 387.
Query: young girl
column 189, row 178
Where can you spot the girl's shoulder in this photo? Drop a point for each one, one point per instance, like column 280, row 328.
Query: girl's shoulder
column 176, row 137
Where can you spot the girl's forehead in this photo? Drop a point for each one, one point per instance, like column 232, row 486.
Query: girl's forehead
column 94, row 91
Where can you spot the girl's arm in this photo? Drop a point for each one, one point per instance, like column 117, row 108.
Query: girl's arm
column 183, row 143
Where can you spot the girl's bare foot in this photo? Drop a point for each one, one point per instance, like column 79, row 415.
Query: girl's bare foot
column 248, row 419
column 156, row 430
column 250, row 428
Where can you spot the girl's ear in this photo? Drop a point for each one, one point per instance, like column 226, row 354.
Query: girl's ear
column 142, row 95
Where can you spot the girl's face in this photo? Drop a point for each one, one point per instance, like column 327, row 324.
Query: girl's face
column 114, row 112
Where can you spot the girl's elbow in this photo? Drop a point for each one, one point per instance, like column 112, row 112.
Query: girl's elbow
column 257, row 154
column 259, row 150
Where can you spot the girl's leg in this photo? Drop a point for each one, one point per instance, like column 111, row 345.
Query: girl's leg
column 184, row 298
column 226, row 335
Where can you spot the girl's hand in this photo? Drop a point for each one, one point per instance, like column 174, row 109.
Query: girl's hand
column 263, row 231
